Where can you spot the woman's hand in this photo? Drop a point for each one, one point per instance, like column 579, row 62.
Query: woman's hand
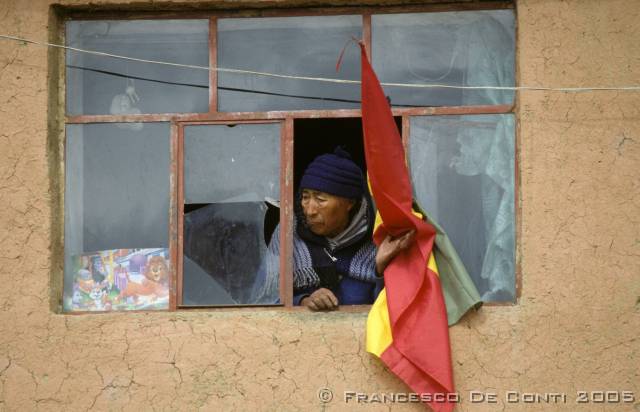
column 321, row 299
column 389, row 248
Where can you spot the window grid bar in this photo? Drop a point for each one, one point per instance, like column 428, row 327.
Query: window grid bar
column 213, row 62
column 281, row 115
column 517, row 176
column 83, row 12
column 406, row 135
column 517, row 216
column 178, row 270
column 228, row 122
column 173, row 216
column 286, row 213
column 366, row 34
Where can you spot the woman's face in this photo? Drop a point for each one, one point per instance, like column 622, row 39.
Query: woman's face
column 326, row 215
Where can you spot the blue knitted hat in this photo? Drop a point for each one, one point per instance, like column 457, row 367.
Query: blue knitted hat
column 335, row 174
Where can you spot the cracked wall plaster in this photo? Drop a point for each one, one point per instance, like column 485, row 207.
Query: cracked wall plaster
column 576, row 326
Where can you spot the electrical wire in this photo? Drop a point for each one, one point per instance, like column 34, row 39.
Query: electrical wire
column 226, row 88
column 324, row 79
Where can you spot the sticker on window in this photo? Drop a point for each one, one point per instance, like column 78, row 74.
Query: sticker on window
column 120, row 279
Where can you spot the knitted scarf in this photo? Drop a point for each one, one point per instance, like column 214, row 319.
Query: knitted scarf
column 320, row 261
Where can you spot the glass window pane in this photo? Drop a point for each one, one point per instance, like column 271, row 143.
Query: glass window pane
column 231, row 163
column 462, row 169
column 469, row 48
column 105, row 85
column 116, row 216
column 297, row 46
column 231, row 191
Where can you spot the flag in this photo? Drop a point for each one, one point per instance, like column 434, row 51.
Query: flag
column 407, row 325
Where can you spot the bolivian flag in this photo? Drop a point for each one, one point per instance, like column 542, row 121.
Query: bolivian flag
column 407, row 326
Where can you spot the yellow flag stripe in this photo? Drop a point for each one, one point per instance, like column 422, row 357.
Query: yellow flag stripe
column 378, row 220
column 432, row 264
column 378, row 326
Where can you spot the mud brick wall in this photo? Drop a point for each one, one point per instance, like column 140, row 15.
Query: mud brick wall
column 575, row 327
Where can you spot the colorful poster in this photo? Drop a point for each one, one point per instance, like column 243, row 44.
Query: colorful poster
column 119, row 279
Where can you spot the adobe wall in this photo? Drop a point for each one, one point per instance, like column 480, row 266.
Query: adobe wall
column 576, row 326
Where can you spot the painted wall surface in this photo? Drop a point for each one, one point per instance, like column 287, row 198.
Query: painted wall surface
column 575, row 327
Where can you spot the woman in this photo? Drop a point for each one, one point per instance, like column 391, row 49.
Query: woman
column 335, row 262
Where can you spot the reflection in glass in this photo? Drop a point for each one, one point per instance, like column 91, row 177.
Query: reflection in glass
column 462, row 169
column 231, row 192
column 116, row 201
column 105, row 85
column 297, row 46
column 467, row 48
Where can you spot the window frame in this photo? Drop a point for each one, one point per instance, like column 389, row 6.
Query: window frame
column 178, row 121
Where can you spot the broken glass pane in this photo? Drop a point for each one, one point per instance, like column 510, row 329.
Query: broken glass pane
column 465, row 48
column 295, row 46
column 105, row 85
column 231, row 190
column 462, row 168
column 224, row 253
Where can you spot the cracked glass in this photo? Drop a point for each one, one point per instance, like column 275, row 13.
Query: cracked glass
column 231, row 196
